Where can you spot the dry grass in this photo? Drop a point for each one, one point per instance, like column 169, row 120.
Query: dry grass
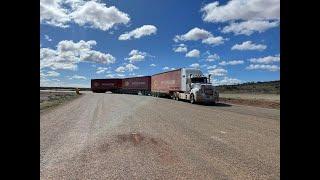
column 52, row 99
column 259, row 100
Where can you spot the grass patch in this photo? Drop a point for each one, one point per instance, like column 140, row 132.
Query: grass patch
column 53, row 99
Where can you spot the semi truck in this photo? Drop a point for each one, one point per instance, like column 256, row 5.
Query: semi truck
column 184, row 84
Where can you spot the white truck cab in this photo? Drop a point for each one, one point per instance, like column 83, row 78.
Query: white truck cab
column 196, row 87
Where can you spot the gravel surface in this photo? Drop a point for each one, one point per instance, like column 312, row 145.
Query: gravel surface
column 116, row 136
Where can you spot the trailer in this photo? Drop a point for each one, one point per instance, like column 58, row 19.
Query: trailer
column 184, row 84
column 104, row 85
column 136, row 85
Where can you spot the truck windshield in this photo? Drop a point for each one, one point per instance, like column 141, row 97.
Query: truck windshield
column 199, row 80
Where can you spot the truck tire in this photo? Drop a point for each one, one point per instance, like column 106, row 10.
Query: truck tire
column 192, row 101
column 176, row 97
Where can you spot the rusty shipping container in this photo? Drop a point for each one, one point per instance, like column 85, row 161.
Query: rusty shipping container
column 166, row 82
column 134, row 85
column 104, row 85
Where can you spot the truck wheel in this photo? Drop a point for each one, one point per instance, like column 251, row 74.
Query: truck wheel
column 177, row 97
column 192, row 101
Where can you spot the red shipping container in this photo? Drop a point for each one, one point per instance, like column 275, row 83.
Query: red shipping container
column 166, row 82
column 136, row 84
column 104, row 85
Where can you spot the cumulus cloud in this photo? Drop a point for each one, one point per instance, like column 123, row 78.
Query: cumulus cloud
column 153, row 65
column 226, row 81
column 68, row 54
column 165, row 68
column 98, row 16
column 248, row 45
column 196, row 34
column 101, row 70
column 77, row 77
column 234, row 62
column 263, row 67
column 52, row 13
column 195, row 65
column 193, row 53
column 212, row 57
column 213, row 40
column 212, row 67
column 128, row 67
column 136, row 55
column 180, row 48
column 49, row 74
column 241, row 10
column 47, row 38
column 266, row 60
column 92, row 13
column 218, row 72
column 145, row 30
column 249, row 27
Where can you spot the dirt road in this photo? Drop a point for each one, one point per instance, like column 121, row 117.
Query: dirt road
column 115, row 136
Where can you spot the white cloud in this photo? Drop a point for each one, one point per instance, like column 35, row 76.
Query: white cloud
column 95, row 14
column 196, row 34
column 180, row 48
column 213, row 40
column 47, row 38
column 153, row 65
column 241, row 10
column 145, row 30
column 120, row 75
column 78, row 77
column 128, row 67
column 136, row 55
column 212, row 67
column 248, row 45
column 110, row 76
column 263, row 67
column 99, row 16
column 195, row 65
column 266, row 60
column 49, row 74
column 172, row 68
column 68, row 54
column 193, row 53
column 234, row 62
column 218, row 72
column 51, row 12
column 249, row 27
column 98, row 57
column 212, row 57
column 101, row 70
column 165, row 68
column 226, row 81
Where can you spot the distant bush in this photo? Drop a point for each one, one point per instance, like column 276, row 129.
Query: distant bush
column 269, row 87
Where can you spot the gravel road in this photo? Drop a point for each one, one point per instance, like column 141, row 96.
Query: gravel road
column 116, row 136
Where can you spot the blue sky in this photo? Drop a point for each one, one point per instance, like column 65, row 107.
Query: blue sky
column 79, row 40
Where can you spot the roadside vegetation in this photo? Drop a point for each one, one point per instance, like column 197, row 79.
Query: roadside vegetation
column 270, row 87
column 260, row 94
column 52, row 99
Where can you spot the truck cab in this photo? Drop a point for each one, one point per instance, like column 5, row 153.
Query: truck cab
column 197, row 87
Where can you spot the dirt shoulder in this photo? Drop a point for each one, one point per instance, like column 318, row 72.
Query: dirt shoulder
column 259, row 100
column 49, row 100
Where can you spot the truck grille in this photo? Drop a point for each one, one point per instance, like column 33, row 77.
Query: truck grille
column 208, row 92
